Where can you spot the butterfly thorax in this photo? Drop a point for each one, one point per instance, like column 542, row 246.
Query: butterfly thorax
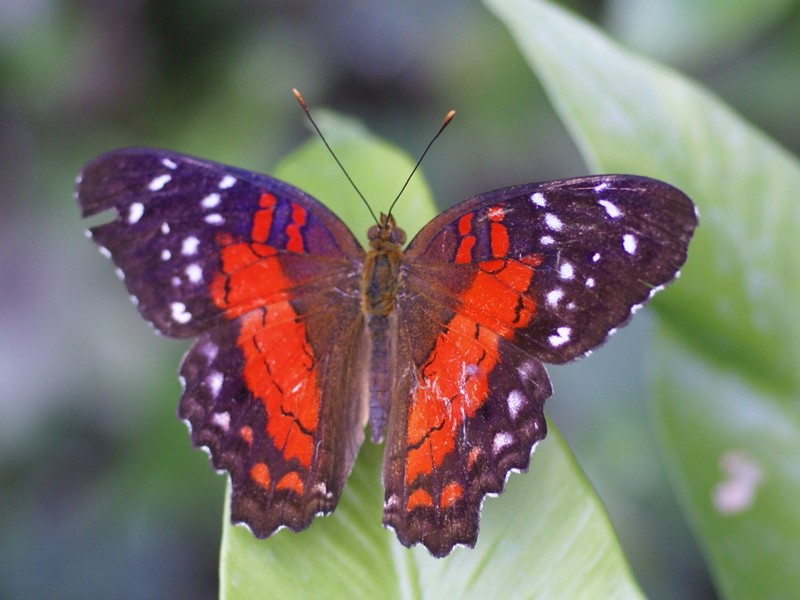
column 382, row 267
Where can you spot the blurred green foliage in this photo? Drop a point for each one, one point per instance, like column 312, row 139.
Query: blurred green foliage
column 102, row 495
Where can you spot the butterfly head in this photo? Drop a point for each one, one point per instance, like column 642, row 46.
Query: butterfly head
column 385, row 232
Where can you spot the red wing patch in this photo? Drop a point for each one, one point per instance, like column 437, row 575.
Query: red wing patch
column 258, row 270
column 252, row 287
column 464, row 355
column 475, row 412
column 303, row 337
column 279, row 371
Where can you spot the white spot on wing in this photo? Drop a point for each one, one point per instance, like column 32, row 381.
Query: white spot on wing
column 170, row 164
column 176, row 281
column 611, row 209
column 166, row 255
column 159, row 182
column 566, row 271
column 210, row 351
column 210, row 201
column 322, row 490
column 515, row 401
column 538, row 199
column 195, row 273
column 104, row 251
column 590, row 282
column 227, row 182
column 561, row 337
column 221, row 420
column 214, row 382
column 214, row 219
column 501, row 440
column 654, row 290
column 553, row 222
column 165, row 228
column 189, row 245
column 135, row 212
column 179, row 313
column 554, row 296
column 600, row 187
column 629, row 243
column 526, row 370
column 547, row 240
column 596, row 257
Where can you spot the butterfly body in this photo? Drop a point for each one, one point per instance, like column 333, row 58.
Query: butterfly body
column 304, row 337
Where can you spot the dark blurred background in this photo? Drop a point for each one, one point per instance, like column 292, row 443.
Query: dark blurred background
column 101, row 494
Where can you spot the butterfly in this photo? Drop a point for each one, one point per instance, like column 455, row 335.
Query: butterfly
column 304, row 337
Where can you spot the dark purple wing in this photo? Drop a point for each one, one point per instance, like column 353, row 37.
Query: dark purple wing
column 269, row 280
column 170, row 210
column 491, row 289
column 605, row 245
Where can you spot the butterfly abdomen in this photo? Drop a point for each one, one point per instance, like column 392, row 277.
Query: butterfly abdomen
column 378, row 295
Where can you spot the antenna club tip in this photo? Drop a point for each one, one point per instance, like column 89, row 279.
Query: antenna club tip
column 299, row 96
column 447, row 118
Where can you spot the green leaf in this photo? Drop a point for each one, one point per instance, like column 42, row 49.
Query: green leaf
column 546, row 536
column 732, row 449
column 736, row 304
column 377, row 168
column 692, row 32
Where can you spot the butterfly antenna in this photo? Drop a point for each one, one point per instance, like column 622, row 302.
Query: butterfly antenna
column 447, row 118
column 302, row 102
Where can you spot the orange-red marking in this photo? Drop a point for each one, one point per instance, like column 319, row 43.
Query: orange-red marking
column 498, row 234
column 294, row 243
column 259, row 473
column 448, row 393
column 291, row 481
column 464, row 252
column 451, row 494
column 277, row 358
column 418, row 497
column 246, row 433
column 262, row 220
column 472, row 457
